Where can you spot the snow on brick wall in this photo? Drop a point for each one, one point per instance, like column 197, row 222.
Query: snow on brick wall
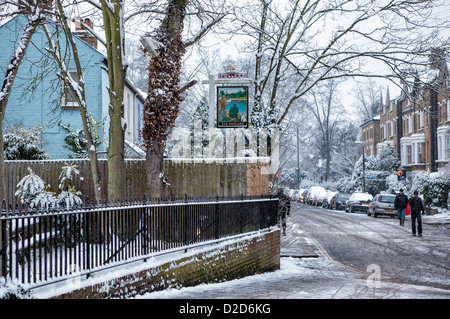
column 254, row 254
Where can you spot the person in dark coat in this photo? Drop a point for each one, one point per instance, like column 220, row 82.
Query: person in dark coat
column 401, row 201
column 284, row 208
column 416, row 207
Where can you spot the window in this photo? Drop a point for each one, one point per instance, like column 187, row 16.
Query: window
column 420, row 152
column 447, row 147
column 391, row 129
column 420, row 119
column 448, row 110
column 440, row 148
column 408, row 154
column 68, row 99
column 128, row 113
column 409, row 123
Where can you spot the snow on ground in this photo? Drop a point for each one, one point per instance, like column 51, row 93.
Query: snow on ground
column 72, row 282
column 312, row 278
column 308, row 278
column 443, row 217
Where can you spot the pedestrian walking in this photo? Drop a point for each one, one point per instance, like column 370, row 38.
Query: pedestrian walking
column 401, row 201
column 416, row 206
column 284, row 208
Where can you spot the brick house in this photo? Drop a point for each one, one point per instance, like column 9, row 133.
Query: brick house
column 370, row 131
column 416, row 124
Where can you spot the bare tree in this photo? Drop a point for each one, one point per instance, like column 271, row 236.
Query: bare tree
column 298, row 44
column 368, row 98
column 76, row 87
column 34, row 12
column 325, row 109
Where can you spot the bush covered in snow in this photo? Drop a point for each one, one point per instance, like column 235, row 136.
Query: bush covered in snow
column 31, row 190
column 22, row 144
column 29, row 187
column 394, row 185
column 346, row 185
column 434, row 187
column 379, row 167
column 76, row 141
column 13, row 291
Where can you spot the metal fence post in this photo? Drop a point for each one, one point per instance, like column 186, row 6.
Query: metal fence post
column 241, row 213
column 185, row 220
column 216, row 219
column 3, row 254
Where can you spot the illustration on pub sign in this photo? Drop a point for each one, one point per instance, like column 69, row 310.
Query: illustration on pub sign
column 232, row 106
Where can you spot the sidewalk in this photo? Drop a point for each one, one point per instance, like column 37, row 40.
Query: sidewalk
column 296, row 243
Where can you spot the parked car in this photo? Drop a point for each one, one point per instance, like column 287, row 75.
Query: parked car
column 295, row 195
column 304, row 196
column 326, row 201
column 358, row 202
column 312, row 194
column 319, row 197
column 382, row 204
column 298, row 196
column 291, row 193
column 337, row 202
column 448, row 200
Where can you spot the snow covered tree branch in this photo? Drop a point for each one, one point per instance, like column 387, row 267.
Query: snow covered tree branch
column 77, row 88
column 34, row 14
column 299, row 44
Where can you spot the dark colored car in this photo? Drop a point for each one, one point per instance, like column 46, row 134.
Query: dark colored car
column 382, row 204
column 326, row 200
column 358, row 202
column 337, row 202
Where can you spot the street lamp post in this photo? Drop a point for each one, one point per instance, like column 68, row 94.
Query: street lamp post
column 364, row 166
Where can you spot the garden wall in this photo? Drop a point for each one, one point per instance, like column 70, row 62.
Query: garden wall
column 256, row 253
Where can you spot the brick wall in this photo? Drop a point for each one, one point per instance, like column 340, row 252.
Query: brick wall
column 255, row 254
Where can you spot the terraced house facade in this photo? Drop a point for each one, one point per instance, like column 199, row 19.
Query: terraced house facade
column 416, row 124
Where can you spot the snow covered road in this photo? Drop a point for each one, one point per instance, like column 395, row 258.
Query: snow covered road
column 348, row 246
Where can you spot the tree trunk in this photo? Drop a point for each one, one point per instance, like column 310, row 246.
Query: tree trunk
column 113, row 24
column 155, row 172
column 162, row 104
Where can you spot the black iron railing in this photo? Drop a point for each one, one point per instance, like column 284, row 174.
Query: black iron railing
column 37, row 247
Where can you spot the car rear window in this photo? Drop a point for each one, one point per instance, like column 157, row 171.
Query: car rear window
column 387, row 199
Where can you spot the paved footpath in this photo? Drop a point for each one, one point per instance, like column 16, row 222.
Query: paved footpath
column 296, row 243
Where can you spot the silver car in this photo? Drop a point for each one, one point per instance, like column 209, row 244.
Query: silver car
column 382, row 204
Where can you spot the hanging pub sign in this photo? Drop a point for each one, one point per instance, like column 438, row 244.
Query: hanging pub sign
column 231, row 74
column 232, row 106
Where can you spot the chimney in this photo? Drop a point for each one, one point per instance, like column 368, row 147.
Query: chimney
column 85, row 35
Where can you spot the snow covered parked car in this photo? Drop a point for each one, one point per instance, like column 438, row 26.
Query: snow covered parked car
column 358, row 202
column 313, row 193
column 326, row 201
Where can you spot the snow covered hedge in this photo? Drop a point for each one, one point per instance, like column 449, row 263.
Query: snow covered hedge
column 379, row 167
column 13, row 291
column 434, row 187
column 22, row 144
